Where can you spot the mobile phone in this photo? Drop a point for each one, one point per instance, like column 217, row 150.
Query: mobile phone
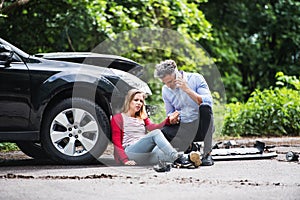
column 177, row 74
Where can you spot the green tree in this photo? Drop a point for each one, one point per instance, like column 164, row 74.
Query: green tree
column 66, row 25
column 43, row 26
column 252, row 41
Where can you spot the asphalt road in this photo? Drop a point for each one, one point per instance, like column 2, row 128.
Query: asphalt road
column 25, row 178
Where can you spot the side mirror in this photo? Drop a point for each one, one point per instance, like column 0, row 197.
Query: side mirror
column 6, row 55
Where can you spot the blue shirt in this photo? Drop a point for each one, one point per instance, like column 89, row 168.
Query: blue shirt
column 177, row 99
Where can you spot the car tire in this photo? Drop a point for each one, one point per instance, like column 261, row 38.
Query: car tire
column 32, row 149
column 75, row 131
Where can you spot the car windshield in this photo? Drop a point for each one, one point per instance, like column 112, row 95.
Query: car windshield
column 15, row 49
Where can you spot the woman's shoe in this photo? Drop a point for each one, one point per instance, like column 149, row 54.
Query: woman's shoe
column 182, row 162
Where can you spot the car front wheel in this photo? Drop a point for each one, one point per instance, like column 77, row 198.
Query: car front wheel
column 75, row 131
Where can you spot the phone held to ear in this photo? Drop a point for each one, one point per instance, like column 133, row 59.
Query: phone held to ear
column 177, row 74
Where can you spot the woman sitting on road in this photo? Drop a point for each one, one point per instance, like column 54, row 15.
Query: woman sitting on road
column 134, row 145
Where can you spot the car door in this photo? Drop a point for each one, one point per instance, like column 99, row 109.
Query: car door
column 14, row 95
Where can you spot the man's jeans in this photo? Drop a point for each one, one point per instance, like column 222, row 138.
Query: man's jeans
column 202, row 129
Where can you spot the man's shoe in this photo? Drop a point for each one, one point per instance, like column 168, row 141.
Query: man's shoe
column 207, row 161
column 182, row 161
column 195, row 158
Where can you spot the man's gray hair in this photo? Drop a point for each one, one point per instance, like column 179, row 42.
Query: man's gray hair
column 164, row 68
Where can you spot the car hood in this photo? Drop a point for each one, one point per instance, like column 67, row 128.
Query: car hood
column 61, row 55
column 102, row 60
column 89, row 70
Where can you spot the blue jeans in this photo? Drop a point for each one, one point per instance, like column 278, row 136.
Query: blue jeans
column 151, row 148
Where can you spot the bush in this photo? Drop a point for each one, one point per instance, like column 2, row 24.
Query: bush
column 233, row 125
column 7, row 146
column 271, row 112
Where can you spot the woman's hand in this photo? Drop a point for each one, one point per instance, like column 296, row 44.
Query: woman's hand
column 174, row 117
column 130, row 162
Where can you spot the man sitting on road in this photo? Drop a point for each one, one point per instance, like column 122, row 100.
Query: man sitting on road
column 187, row 93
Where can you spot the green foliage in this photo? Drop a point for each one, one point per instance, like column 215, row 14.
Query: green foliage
column 67, row 25
column 290, row 81
column 253, row 40
column 233, row 124
column 271, row 112
column 218, row 111
column 45, row 26
column 7, row 146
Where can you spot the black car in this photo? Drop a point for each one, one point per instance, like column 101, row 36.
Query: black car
column 60, row 110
